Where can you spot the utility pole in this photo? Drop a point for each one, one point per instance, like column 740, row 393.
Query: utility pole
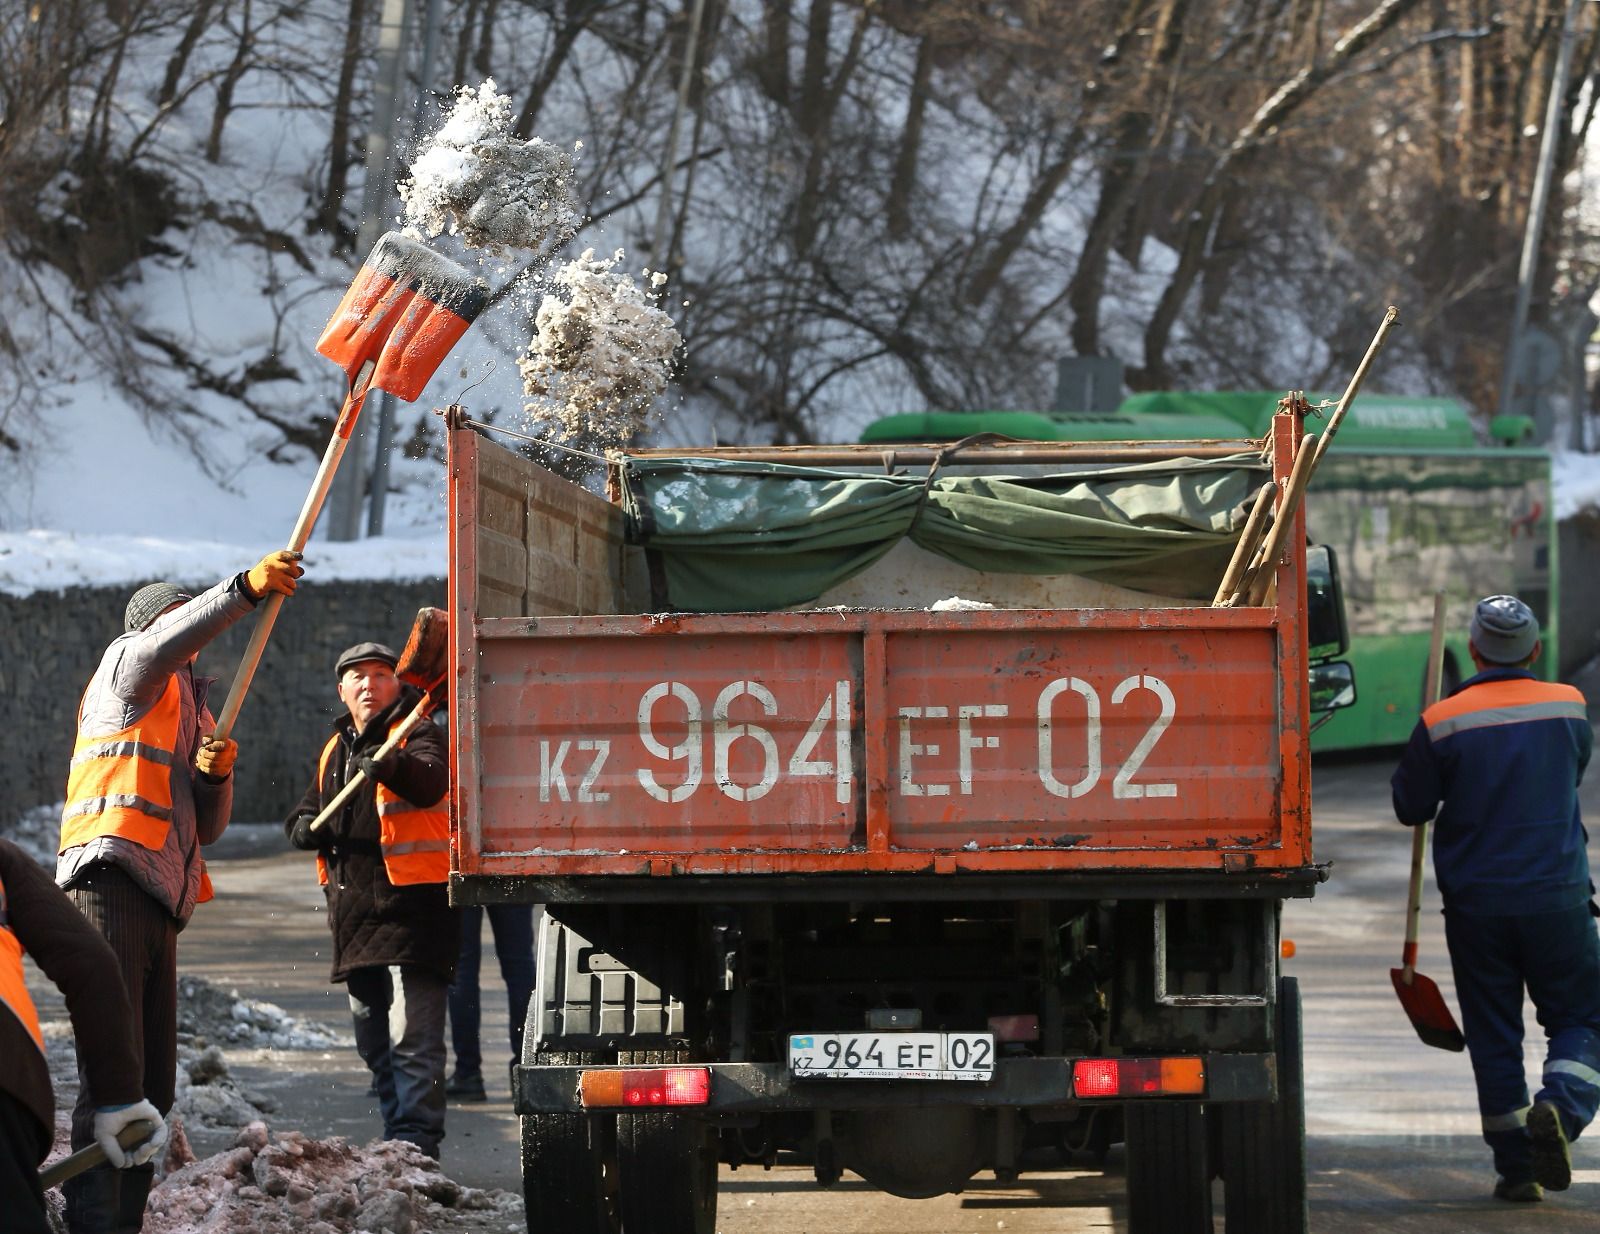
column 350, row 484
column 1540, row 200
column 691, row 51
column 386, row 401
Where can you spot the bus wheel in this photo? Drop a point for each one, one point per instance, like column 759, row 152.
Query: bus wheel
column 1262, row 1144
column 668, row 1164
column 569, row 1164
column 1169, row 1173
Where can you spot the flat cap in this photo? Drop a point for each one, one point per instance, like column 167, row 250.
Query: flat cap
column 1504, row 630
column 149, row 602
column 364, row 651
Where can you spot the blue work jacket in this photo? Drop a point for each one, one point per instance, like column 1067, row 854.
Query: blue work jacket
column 1500, row 760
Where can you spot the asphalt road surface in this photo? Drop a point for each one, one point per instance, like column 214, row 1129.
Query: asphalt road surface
column 1393, row 1128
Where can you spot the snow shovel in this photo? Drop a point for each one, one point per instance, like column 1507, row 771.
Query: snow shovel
column 131, row 1136
column 425, row 662
column 399, row 319
column 1430, row 1014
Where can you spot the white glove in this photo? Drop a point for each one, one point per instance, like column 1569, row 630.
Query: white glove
column 108, row 1122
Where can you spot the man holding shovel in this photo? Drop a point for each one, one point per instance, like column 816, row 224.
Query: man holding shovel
column 1500, row 760
column 383, row 859
column 146, row 790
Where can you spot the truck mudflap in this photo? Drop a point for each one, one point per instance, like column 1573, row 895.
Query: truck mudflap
column 769, row 1088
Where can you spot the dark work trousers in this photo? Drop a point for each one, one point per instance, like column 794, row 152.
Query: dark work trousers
column 1556, row 956
column 21, row 1199
column 145, row 939
column 399, row 1019
column 512, row 925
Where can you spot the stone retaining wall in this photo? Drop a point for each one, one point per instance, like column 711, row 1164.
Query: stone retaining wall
column 50, row 643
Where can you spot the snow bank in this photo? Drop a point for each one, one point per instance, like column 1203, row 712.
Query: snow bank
column 1576, row 479
column 39, row 560
column 208, row 1012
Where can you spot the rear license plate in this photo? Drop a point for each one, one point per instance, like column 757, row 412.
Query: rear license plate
column 891, row 1056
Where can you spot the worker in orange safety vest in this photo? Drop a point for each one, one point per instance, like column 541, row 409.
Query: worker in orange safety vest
column 36, row 918
column 383, row 859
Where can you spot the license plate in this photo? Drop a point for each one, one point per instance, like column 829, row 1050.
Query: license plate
column 891, row 1056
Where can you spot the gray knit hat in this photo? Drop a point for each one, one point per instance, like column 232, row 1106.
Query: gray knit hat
column 149, row 602
column 1504, row 630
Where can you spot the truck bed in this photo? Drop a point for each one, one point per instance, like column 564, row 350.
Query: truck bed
column 596, row 743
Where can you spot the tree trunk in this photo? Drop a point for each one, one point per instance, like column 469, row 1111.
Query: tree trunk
column 180, row 57
column 772, row 72
column 230, row 81
column 897, row 208
column 339, row 150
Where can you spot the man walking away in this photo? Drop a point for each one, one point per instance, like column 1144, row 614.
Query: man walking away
column 36, row 918
column 1500, row 760
column 145, row 791
column 383, row 861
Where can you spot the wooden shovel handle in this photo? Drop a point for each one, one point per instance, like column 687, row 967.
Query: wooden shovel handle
column 297, row 542
column 419, row 713
column 1419, row 833
column 131, row 1136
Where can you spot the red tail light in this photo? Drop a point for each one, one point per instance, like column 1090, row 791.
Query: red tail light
column 1138, row 1077
column 645, row 1088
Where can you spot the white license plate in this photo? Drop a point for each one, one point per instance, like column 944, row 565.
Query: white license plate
column 891, row 1056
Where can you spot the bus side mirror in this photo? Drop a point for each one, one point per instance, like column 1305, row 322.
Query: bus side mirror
column 1326, row 634
column 1333, row 685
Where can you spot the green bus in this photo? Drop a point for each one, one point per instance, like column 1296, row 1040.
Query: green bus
column 1407, row 497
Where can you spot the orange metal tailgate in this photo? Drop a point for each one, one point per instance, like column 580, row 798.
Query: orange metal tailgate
column 833, row 741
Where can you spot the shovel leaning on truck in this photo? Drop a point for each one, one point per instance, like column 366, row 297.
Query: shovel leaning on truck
column 424, row 663
column 1430, row 1014
column 399, row 319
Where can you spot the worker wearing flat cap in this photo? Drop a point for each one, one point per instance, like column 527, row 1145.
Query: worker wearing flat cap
column 1500, row 760
column 383, row 857
column 147, row 788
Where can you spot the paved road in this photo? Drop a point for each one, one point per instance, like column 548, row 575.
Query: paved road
column 1393, row 1129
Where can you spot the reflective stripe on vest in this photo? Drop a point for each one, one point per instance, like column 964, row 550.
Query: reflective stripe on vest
column 13, row 990
column 415, row 840
column 120, row 784
column 1515, row 700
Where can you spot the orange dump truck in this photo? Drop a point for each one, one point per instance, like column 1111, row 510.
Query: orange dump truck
column 912, row 888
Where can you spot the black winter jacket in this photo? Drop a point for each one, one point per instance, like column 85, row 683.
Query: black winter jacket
column 373, row 922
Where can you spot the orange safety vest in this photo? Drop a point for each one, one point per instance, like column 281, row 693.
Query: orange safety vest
column 13, row 990
column 415, row 840
column 120, row 784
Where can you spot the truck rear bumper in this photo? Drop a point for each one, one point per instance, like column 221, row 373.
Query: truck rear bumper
column 768, row 1088
column 1254, row 883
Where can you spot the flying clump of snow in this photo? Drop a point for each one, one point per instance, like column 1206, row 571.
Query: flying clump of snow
column 600, row 356
column 475, row 179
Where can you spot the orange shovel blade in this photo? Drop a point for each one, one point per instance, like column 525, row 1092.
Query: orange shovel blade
column 404, row 310
column 1430, row 1014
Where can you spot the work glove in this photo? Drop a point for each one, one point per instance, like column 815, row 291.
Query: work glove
column 108, row 1120
column 379, row 769
column 274, row 572
column 215, row 757
column 302, row 837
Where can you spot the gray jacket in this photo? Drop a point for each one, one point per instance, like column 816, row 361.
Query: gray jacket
column 131, row 678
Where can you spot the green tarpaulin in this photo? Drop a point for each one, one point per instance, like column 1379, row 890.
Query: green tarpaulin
column 731, row 536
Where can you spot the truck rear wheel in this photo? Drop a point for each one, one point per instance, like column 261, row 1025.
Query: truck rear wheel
column 668, row 1165
column 569, row 1164
column 1262, row 1144
column 1169, row 1173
